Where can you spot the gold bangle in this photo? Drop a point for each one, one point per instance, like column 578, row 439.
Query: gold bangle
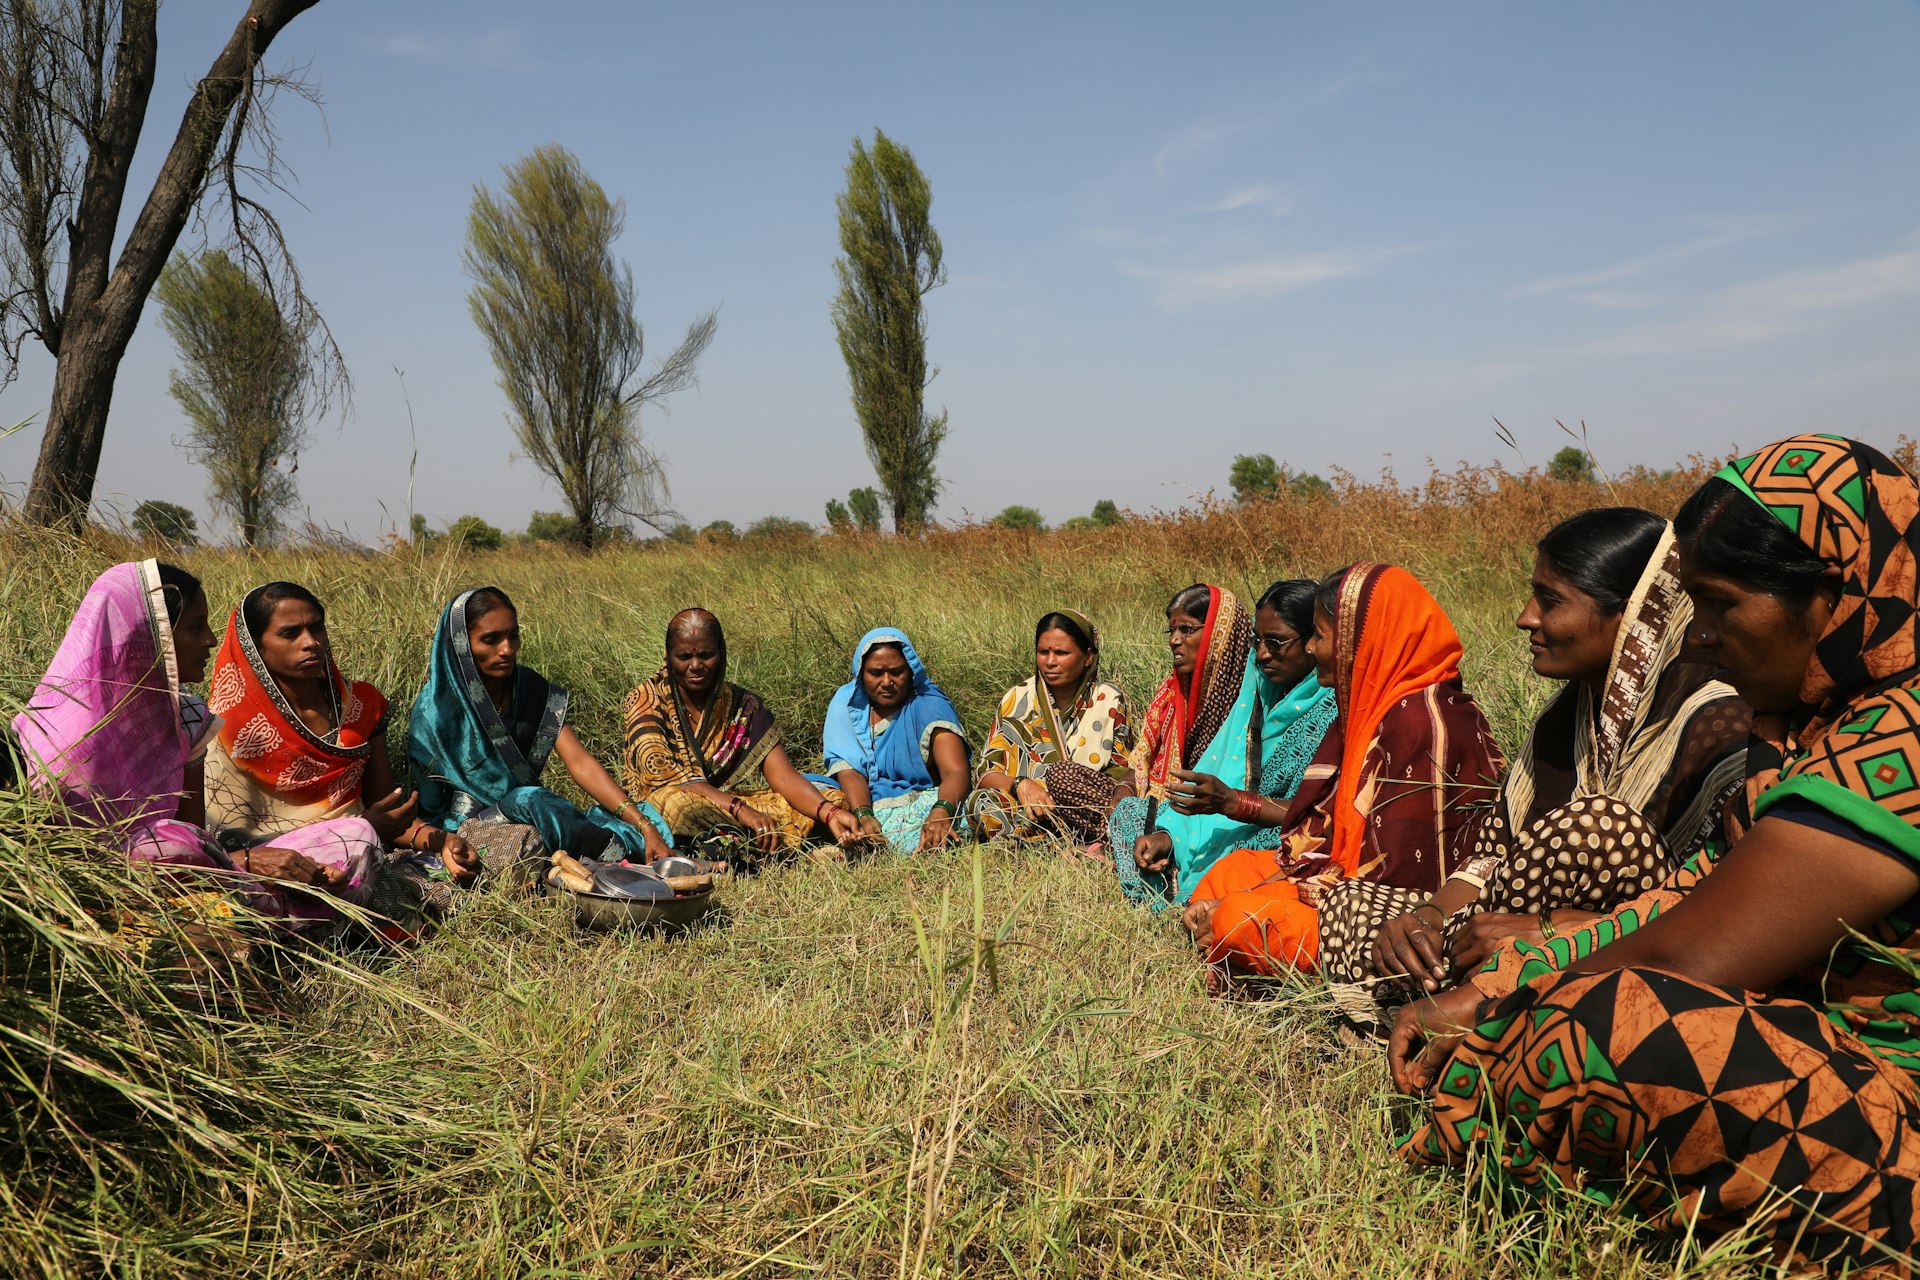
column 1547, row 931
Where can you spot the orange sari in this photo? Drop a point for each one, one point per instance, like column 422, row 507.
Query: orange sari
column 1396, row 792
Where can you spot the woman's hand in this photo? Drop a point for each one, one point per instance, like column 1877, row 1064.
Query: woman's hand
column 1414, row 945
column 1198, row 919
column 1153, row 852
column 1190, row 793
column 762, row 830
column 392, row 814
column 1477, row 940
column 1426, row 1034
column 1034, row 798
column 654, row 843
column 937, row 830
column 295, row 868
column 458, row 857
column 845, row 828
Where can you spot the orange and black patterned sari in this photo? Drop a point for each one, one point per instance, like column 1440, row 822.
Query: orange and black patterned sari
column 1706, row 1108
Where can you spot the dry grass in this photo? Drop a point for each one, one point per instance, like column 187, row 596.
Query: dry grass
column 978, row 1064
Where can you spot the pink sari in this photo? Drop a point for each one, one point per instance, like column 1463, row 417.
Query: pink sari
column 104, row 730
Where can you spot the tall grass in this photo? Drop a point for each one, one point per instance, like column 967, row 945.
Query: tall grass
column 980, row 1063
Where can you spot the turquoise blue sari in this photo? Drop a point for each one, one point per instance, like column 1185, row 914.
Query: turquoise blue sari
column 1271, row 730
column 471, row 764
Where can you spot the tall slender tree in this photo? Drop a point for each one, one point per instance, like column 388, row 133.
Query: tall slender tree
column 892, row 260
column 246, row 384
column 75, row 78
column 556, row 309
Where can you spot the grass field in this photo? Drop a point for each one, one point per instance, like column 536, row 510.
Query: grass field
column 978, row 1064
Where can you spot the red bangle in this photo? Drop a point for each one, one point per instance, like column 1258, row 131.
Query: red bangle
column 1247, row 807
column 824, row 805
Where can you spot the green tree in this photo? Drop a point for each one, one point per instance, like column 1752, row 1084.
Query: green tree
column 1572, row 464
column 839, row 519
column 864, row 505
column 1308, row 485
column 1254, row 476
column 1105, row 514
column 474, row 534
column 166, row 522
column 421, row 536
column 1019, row 517
column 556, row 310
column 552, row 526
column 681, row 532
column 246, row 383
column 720, row 531
column 1078, row 524
column 779, row 528
column 892, row 260
column 75, row 81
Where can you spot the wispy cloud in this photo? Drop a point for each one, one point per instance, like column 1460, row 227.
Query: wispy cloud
column 502, row 47
column 1720, row 232
column 1254, row 279
column 1778, row 305
column 1273, row 199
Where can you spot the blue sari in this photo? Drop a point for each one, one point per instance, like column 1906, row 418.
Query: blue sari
column 896, row 761
column 471, row 765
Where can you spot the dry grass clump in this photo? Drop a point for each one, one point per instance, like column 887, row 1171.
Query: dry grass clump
column 980, row 1064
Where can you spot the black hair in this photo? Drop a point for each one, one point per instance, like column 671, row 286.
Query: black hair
column 1603, row 552
column 693, row 621
column 179, row 588
column 1292, row 599
column 1326, row 593
column 894, row 645
column 257, row 612
column 1066, row 622
column 1192, row 601
column 1726, row 533
column 483, row 601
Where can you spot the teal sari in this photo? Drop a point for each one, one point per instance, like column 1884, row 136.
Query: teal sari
column 470, row 763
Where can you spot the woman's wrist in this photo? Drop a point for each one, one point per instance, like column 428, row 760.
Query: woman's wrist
column 1246, row 807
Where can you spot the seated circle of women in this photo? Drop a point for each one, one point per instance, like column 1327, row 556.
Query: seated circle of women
column 1396, row 793
column 1056, row 758
column 1738, row 1045
column 1623, row 777
column 707, row 754
column 111, row 730
column 1226, row 740
column 894, row 747
column 483, row 730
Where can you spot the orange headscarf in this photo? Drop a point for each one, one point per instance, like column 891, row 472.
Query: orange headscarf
column 1391, row 640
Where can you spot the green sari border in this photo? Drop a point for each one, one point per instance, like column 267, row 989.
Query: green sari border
column 1850, row 806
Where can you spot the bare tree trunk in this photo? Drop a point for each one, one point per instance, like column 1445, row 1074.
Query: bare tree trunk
column 103, row 309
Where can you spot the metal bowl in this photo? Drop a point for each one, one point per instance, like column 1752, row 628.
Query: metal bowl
column 622, row 911
column 675, row 865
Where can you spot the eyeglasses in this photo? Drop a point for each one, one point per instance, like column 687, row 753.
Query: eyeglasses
column 1275, row 646
column 1182, row 631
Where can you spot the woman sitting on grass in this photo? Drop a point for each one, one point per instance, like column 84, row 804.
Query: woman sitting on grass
column 1624, row 776
column 706, row 752
column 1396, row 793
column 111, row 730
column 1057, row 756
column 482, row 731
column 299, row 744
column 1737, row 1048
column 894, row 747
column 1225, row 742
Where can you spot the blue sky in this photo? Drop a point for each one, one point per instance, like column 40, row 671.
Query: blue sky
column 1347, row 236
